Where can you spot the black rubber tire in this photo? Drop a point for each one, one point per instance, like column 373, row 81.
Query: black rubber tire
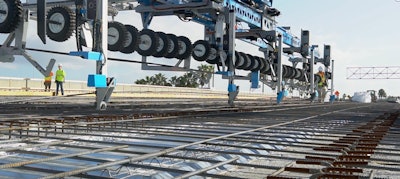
column 132, row 39
column 285, row 71
column 265, row 67
column 303, row 76
column 122, row 33
column 201, row 50
column 262, row 62
column 163, row 45
column 292, row 72
column 13, row 16
column 173, row 46
column 242, row 64
column 249, row 63
column 238, row 60
column 60, row 23
column 184, row 47
column 257, row 64
column 213, row 58
column 148, row 42
column 299, row 74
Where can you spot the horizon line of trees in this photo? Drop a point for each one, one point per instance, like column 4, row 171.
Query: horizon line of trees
column 191, row 79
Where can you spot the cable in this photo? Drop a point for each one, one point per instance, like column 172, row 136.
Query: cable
column 125, row 60
column 117, row 59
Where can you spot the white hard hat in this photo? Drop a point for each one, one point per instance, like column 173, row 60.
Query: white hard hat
column 320, row 69
column 60, row 65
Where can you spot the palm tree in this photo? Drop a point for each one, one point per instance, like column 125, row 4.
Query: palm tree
column 160, row 79
column 148, row 80
column 141, row 82
column 173, row 81
column 204, row 74
column 189, row 79
column 145, row 81
column 382, row 93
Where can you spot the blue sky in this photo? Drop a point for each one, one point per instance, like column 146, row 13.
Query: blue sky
column 362, row 33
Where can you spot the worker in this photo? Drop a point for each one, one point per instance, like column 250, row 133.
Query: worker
column 60, row 79
column 47, row 82
column 322, row 85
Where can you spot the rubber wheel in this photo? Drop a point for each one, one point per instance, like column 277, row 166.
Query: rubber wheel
column 299, row 74
column 303, row 76
column 173, row 46
column 289, row 72
column 201, row 50
column 10, row 15
column 285, row 71
column 262, row 62
column 117, row 34
column 132, row 39
column 257, row 64
column 213, row 58
column 243, row 60
column 238, row 60
column 60, row 23
column 163, row 45
column 185, row 48
column 292, row 72
column 148, row 42
column 265, row 67
column 249, row 63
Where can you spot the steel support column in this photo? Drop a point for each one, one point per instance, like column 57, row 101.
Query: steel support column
column 233, row 90
column 332, row 87
column 312, row 85
column 279, row 88
column 103, row 94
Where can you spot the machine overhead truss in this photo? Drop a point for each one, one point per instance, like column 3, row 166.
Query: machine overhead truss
column 357, row 73
column 95, row 35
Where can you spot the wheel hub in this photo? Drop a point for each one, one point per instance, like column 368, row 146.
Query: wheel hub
column 56, row 23
column 145, row 42
column 113, row 36
column 3, row 11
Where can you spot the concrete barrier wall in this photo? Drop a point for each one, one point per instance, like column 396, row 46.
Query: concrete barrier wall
column 36, row 85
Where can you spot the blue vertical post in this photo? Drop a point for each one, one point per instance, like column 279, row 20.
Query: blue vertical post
column 255, row 78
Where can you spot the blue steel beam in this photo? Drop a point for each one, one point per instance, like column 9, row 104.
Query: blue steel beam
column 255, row 18
column 288, row 38
column 244, row 13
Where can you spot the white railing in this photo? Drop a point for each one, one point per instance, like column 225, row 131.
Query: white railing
column 70, row 86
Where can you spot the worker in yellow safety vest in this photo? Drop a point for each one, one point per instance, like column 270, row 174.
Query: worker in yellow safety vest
column 47, row 82
column 322, row 85
column 60, row 79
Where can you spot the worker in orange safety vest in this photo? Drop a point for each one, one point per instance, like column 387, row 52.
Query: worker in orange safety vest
column 47, row 82
column 322, row 85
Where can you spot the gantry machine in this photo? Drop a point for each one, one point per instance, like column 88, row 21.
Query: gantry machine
column 219, row 18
